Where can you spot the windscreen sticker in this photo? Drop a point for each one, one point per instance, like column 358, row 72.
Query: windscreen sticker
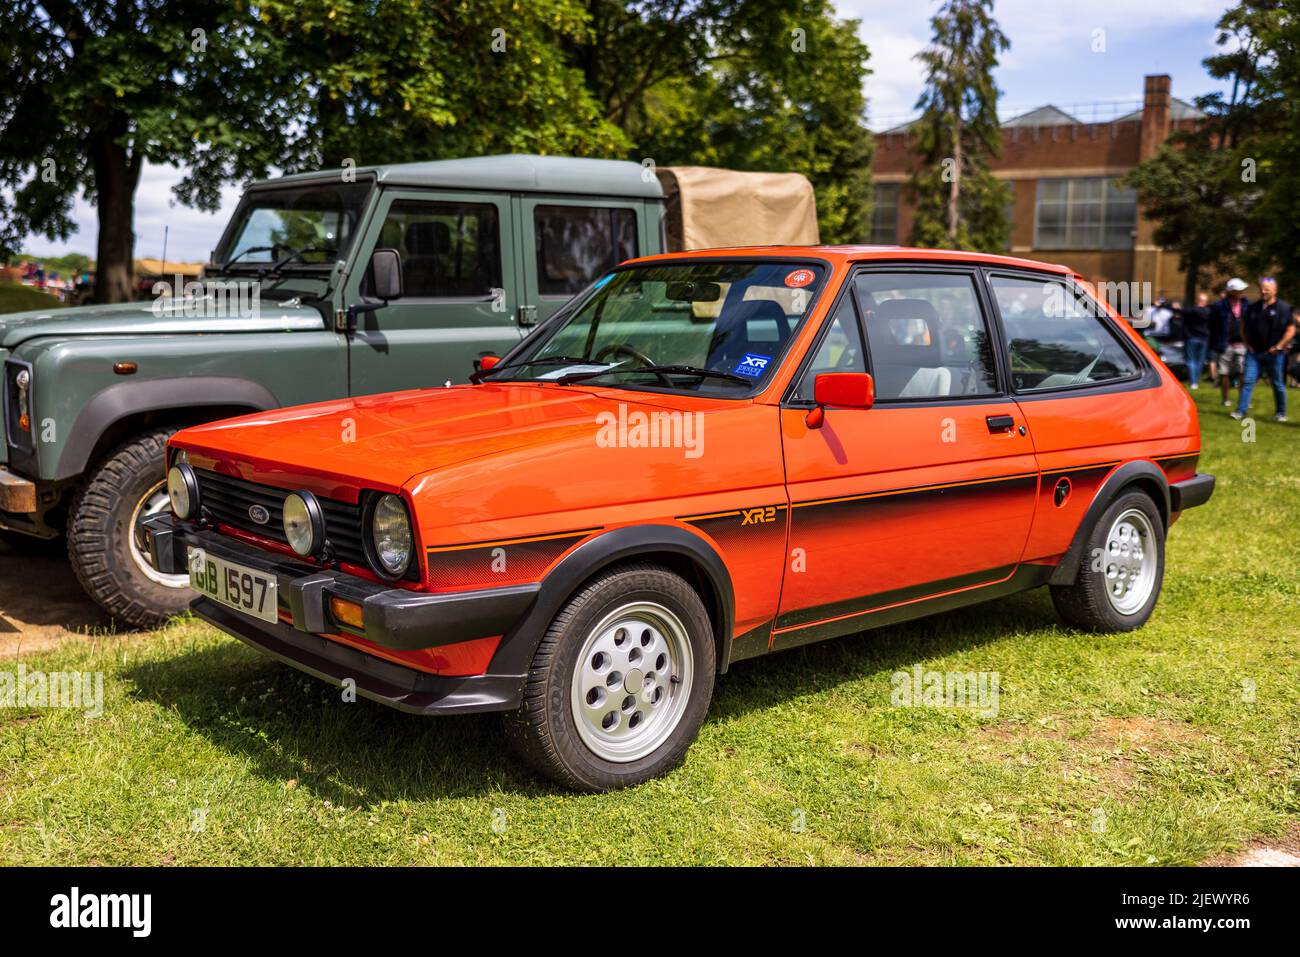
column 800, row 277
column 602, row 280
column 752, row 365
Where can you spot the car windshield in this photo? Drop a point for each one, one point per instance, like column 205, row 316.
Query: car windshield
column 710, row 327
column 310, row 225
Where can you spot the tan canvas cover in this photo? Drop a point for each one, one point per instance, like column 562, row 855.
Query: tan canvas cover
column 706, row 207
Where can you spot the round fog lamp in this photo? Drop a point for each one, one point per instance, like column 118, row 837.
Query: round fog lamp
column 304, row 523
column 183, row 491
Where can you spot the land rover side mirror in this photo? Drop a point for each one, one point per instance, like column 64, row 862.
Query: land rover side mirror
column 845, row 390
column 386, row 274
column 383, row 281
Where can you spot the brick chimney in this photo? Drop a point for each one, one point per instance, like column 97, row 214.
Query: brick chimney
column 1155, row 115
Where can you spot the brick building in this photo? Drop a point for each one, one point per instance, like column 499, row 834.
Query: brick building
column 1067, row 207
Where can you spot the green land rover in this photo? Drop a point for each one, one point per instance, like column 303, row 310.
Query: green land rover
column 323, row 285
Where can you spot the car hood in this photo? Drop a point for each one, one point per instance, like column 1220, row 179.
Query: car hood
column 389, row 439
column 184, row 316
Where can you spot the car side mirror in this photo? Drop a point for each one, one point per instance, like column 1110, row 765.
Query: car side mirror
column 844, row 390
column 386, row 274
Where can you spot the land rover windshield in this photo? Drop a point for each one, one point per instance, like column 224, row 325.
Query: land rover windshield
column 301, row 229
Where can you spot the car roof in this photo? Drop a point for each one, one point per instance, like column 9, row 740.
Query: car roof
column 845, row 254
column 515, row 172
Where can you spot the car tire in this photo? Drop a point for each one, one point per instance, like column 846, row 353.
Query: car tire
column 620, row 683
column 1121, row 569
column 108, row 559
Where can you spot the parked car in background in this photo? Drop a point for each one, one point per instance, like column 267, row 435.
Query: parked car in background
column 707, row 457
column 366, row 281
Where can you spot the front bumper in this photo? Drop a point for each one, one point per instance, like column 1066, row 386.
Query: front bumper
column 405, row 689
column 17, row 494
column 395, row 618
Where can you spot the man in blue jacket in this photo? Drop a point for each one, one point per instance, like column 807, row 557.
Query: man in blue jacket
column 1226, row 342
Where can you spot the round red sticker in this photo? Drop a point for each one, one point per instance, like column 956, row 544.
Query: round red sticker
column 800, row 277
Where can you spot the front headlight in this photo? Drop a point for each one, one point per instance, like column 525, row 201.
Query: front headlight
column 390, row 534
column 24, row 382
column 183, row 490
column 304, row 523
column 16, row 399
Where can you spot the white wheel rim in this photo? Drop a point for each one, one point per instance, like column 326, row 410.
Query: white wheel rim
column 154, row 502
column 1130, row 562
column 632, row 681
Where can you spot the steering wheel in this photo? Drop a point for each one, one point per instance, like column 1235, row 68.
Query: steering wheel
column 622, row 348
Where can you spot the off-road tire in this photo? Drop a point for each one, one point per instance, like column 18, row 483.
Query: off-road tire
column 1085, row 603
column 99, row 534
column 544, row 731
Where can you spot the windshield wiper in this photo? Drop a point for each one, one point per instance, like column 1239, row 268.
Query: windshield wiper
column 662, row 370
column 477, row 377
column 241, row 254
column 274, row 268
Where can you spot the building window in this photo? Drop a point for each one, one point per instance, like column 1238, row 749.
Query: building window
column 1091, row 213
column 577, row 244
column 884, row 214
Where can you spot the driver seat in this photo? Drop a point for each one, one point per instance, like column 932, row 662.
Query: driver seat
column 735, row 333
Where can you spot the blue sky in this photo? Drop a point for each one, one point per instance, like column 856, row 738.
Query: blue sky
column 1051, row 60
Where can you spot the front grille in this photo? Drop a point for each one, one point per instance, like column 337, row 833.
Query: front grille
column 229, row 499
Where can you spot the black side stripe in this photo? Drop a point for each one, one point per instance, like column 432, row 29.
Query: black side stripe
column 916, row 489
column 803, row 617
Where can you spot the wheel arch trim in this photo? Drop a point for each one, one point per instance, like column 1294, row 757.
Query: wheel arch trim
column 603, row 551
column 1139, row 473
column 124, row 399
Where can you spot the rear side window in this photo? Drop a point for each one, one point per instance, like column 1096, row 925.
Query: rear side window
column 1055, row 337
column 926, row 335
column 577, row 244
column 448, row 250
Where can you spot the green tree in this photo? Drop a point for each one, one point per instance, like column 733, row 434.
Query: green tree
column 959, row 203
column 95, row 88
column 229, row 91
column 380, row 81
column 1201, row 188
column 756, row 85
column 1271, row 138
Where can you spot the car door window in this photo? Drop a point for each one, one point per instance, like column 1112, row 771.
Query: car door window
column 927, row 336
column 448, row 250
column 840, row 349
column 1055, row 337
column 577, row 244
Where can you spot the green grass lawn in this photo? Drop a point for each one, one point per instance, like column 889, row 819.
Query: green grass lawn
column 1147, row 748
column 17, row 298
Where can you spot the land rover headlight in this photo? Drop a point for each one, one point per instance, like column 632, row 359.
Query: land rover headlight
column 183, row 490
column 304, row 523
column 390, row 535
column 24, row 381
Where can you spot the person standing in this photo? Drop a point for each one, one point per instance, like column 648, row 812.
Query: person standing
column 1226, row 342
column 1196, row 338
column 1268, row 329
